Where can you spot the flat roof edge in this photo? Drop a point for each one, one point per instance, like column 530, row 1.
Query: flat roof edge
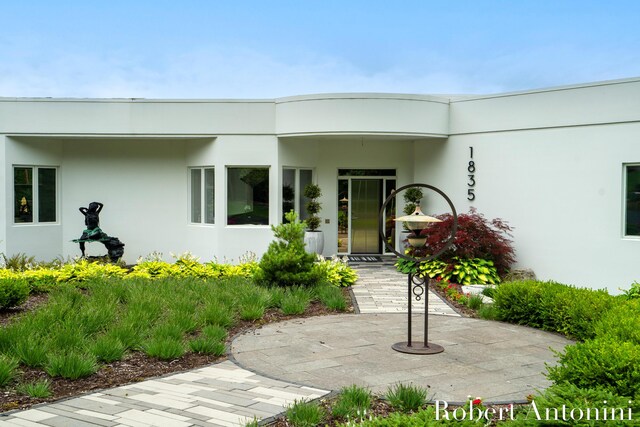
column 576, row 86
column 444, row 99
column 138, row 100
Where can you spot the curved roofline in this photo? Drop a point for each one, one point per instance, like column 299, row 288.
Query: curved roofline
column 362, row 95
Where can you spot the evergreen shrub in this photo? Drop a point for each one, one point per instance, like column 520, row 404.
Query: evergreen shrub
column 578, row 399
column 286, row 263
column 552, row 306
column 602, row 362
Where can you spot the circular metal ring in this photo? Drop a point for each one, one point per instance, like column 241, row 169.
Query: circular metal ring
column 418, row 279
column 446, row 246
column 419, row 294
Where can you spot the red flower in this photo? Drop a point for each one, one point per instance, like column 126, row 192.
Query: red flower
column 476, row 401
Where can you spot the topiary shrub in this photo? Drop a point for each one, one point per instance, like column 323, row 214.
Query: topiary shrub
column 412, row 197
column 313, row 193
column 476, row 237
column 286, row 263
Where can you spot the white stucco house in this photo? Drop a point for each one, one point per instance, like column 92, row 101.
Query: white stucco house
column 560, row 165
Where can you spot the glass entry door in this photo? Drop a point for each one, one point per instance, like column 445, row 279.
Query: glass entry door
column 366, row 195
column 360, row 197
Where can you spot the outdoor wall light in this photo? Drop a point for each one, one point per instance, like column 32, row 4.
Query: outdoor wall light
column 418, row 284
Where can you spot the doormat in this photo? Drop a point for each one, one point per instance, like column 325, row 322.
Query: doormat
column 364, row 258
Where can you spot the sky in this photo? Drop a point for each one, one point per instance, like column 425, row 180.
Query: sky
column 275, row 48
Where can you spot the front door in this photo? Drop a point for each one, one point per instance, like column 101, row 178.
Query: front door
column 366, row 195
column 360, row 197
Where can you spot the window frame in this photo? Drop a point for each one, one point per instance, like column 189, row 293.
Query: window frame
column 625, row 182
column 35, row 194
column 203, row 195
column 297, row 190
column 268, row 168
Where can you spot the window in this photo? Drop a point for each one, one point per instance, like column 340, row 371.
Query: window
column 294, row 181
column 248, row 196
column 34, row 189
column 632, row 200
column 202, row 194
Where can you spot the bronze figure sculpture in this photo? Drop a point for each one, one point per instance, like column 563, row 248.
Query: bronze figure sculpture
column 93, row 233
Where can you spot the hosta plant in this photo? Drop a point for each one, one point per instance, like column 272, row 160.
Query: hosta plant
column 462, row 271
column 335, row 271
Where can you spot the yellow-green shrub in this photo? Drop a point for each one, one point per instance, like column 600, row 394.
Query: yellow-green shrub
column 186, row 265
column 41, row 279
column 8, row 274
column 153, row 270
column 247, row 269
column 336, row 271
column 84, row 270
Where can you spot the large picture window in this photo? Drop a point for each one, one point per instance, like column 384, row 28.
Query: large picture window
column 294, row 180
column 632, row 200
column 34, row 189
column 202, row 195
column 248, row 196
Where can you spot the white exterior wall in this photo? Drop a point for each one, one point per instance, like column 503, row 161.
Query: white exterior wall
column 39, row 240
column 335, row 114
column 5, row 195
column 142, row 184
column 133, row 156
column 549, row 162
column 551, row 165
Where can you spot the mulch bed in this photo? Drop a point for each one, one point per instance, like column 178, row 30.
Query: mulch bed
column 135, row 367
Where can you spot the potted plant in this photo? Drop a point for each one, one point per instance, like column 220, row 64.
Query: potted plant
column 412, row 197
column 313, row 238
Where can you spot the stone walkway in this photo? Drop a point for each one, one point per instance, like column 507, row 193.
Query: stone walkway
column 310, row 357
column 219, row 395
column 382, row 289
column 498, row 361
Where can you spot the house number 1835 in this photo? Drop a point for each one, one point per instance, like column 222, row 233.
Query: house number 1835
column 472, row 180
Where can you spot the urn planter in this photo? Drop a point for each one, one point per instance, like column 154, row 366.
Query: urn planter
column 314, row 242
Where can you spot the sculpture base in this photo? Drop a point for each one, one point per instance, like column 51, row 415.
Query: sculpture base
column 403, row 347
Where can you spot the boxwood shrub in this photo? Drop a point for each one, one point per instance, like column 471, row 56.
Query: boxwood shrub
column 552, row 307
column 607, row 356
column 602, row 362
